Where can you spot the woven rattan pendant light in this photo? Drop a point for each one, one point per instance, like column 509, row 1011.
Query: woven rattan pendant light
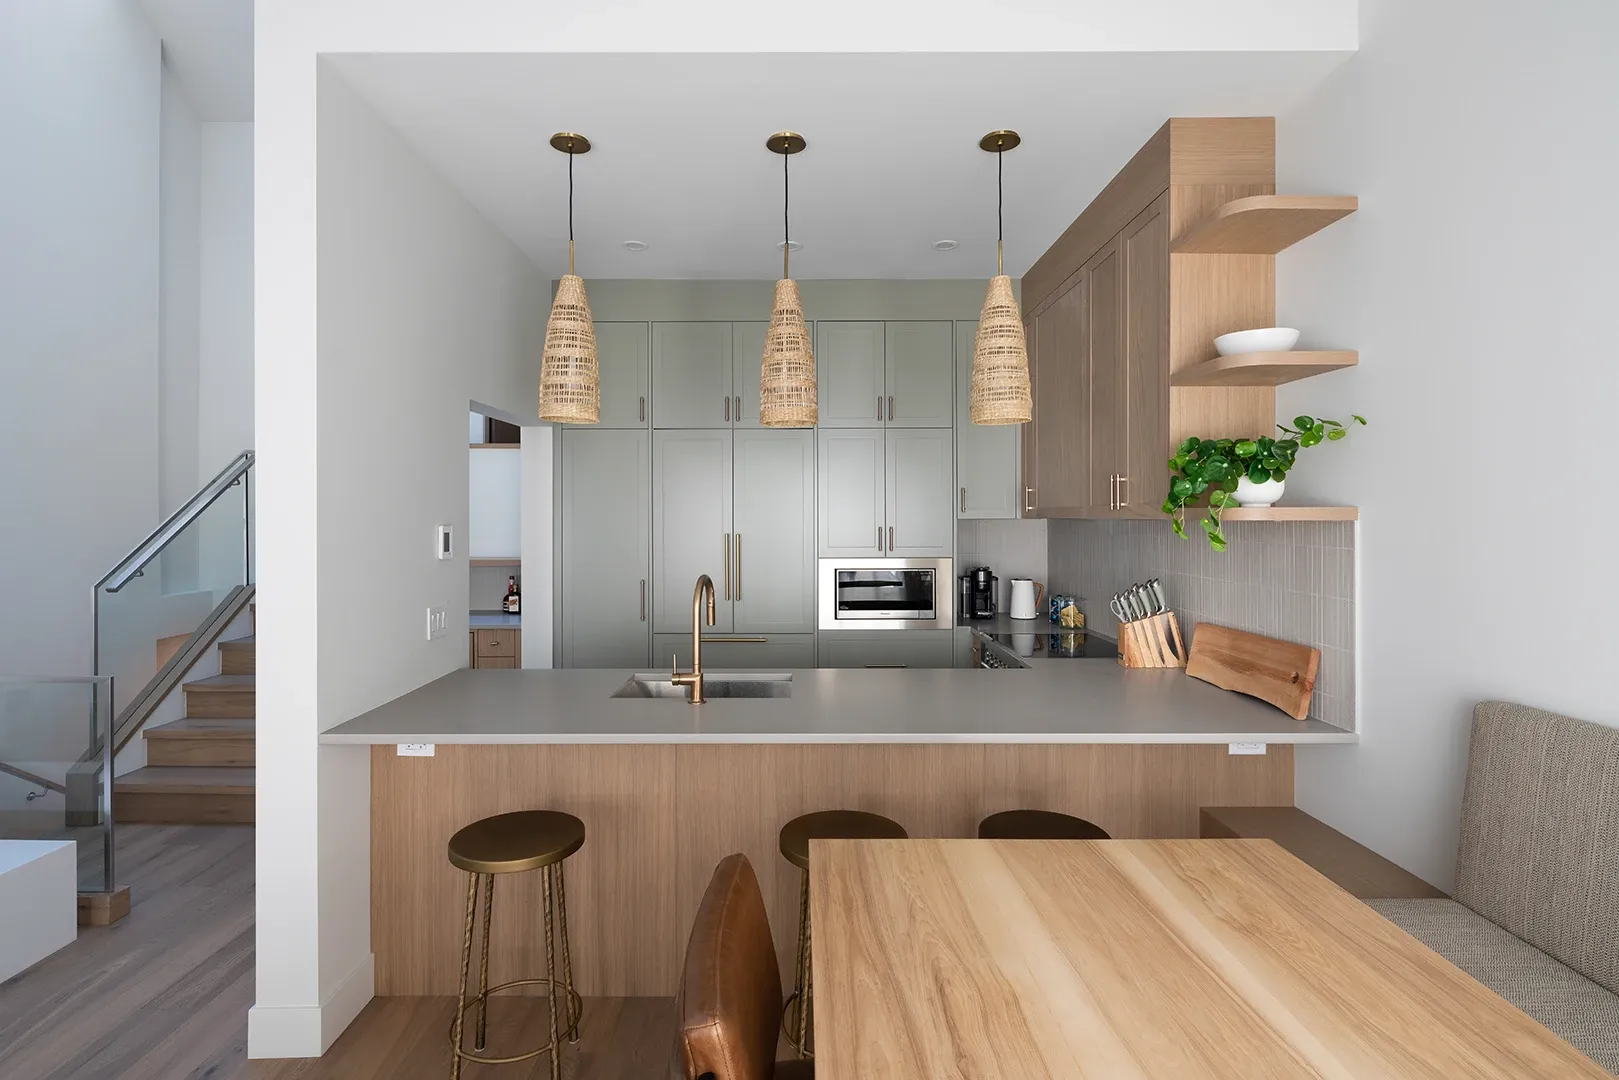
column 787, row 372
column 1000, row 385
column 570, row 380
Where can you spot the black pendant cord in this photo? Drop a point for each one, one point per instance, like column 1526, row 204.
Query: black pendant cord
column 570, row 211
column 1000, row 200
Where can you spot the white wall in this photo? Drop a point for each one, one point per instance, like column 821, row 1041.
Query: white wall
column 1478, row 281
column 80, row 93
column 312, row 922
column 179, row 300
column 421, row 307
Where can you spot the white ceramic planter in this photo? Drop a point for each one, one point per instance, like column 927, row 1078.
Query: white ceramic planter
column 1252, row 494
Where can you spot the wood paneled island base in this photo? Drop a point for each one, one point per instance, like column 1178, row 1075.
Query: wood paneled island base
column 658, row 817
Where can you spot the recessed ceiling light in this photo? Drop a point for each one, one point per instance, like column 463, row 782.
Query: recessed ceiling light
column 792, row 245
column 635, row 245
column 945, row 245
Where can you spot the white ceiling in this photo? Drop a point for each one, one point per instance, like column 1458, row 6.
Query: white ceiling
column 209, row 45
column 892, row 165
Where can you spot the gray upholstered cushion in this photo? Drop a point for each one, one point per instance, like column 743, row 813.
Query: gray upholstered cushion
column 1540, row 834
column 1575, row 1008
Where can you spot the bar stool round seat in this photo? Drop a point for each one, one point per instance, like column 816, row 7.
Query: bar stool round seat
column 1038, row 825
column 512, row 844
column 516, row 842
column 795, row 848
column 834, row 825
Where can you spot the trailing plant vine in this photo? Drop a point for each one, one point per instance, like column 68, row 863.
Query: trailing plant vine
column 1213, row 467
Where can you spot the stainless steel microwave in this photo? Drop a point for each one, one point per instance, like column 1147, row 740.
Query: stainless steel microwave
column 887, row 594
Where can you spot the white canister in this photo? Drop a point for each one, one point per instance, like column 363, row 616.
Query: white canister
column 1026, row 594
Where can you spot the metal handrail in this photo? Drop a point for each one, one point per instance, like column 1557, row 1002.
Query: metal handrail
column 131, row 565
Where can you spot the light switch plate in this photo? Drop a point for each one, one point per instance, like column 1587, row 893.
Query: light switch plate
column 415, row 749
column 438, row 622
column 1246, row 747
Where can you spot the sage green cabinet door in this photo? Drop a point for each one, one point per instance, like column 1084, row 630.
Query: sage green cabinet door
column 747, row 355
column 986, row 454
column 849, row 374
column 849, row 482
column 622, row 350
column 761, row 652
column 887, row 649
column 920, row 495
column 920, row 374
column 691, row 525
column 773, row 543
column 606, row 547
column 691, row 375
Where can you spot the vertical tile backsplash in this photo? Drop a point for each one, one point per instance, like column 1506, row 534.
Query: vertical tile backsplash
column 1288, row 580
column 1009, row 548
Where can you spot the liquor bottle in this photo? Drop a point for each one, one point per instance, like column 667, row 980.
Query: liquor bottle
column 512, row 604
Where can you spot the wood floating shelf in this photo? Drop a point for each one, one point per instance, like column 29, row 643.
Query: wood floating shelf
column 1289, row 513
column 1263, row 368
column 513, row 561
column 1263, row 224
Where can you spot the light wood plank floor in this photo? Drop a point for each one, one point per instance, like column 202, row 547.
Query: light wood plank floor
column 164, row 994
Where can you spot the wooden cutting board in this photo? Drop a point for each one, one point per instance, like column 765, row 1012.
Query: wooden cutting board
column 1279, row 672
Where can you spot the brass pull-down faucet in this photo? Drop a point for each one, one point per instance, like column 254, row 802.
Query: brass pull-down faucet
column 694, row 677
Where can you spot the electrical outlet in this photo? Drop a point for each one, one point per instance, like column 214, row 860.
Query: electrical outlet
column 1246, row 747
column 438, row 622
column 414, row 749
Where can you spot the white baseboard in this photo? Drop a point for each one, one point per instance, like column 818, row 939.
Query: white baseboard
column 306, row 1031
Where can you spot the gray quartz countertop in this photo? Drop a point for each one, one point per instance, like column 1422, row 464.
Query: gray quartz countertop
column 1069, row 702
column 494, row 620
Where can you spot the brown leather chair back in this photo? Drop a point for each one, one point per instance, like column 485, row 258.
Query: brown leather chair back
column 730, row 992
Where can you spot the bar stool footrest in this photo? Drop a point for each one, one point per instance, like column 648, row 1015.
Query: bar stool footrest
column 574, row 1010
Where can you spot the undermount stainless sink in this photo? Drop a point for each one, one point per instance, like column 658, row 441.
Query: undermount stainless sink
column 717, row 685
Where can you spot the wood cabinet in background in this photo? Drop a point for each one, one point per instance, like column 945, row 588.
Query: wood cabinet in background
column 502, row 648
column 1111, row 313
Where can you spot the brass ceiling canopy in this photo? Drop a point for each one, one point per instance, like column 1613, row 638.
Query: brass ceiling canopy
column 996, row 141
column 570, row 142
column 785, row 142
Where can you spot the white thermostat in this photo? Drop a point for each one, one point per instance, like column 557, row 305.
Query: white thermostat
column 446, row 541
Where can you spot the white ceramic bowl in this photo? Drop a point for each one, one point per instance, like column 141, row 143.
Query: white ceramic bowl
column 1270, row 339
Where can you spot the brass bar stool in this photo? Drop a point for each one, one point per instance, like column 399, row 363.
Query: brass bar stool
column 1038, row 825
column 795, row 840
column 512, row 844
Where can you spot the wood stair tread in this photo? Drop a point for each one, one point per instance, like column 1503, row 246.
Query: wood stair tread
column 204, row 727
column 243, row 684
column 187, row 780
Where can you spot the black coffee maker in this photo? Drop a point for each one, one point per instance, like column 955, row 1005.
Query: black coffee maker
column 978, row 593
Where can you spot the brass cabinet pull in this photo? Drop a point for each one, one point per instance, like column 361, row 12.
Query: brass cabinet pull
column 879, row 539
column 643, row 599
column 739, row 566
column 727, row 566
column 643, row 408
column 1112, row 491
column 891, row 539
column 1122, row 490
column 891, row 406
column 1028, row 500
column 963, row 500
column 879, row 407
column 739, row 408
column 727, row 406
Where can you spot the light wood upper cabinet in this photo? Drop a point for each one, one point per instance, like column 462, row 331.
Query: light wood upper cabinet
column 849, row 374
column 691, row 375
column 1113, row 314
column 919, row 375
column 623, row 351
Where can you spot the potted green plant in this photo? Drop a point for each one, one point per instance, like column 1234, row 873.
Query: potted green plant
column 1240, row 471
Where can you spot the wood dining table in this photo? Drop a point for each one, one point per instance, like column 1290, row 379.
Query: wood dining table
column 1029, row 959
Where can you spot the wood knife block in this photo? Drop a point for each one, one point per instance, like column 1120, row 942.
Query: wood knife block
column 1153, row 642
